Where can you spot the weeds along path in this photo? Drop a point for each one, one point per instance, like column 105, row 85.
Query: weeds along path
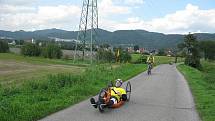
column 163, row 96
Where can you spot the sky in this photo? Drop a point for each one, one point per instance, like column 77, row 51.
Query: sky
column 164, row 16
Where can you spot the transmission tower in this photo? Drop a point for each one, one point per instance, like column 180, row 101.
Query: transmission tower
column 88, row 21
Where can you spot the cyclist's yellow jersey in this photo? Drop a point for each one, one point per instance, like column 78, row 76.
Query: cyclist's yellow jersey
column 150, row 59
column 120, row 90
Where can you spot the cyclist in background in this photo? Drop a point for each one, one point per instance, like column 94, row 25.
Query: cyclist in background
column 150, row 62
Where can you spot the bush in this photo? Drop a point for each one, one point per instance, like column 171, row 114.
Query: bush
column 105, row 55
column 142, row 59
column 125, row 57
column 30, row 49
column 161, row 52
column 52, row 51
column 4, row 47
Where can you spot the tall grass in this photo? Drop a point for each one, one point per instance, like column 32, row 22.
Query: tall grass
column 202, row 84
column 36, row 99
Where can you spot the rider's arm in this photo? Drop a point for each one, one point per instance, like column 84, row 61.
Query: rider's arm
column 147, row 59
column 153, row 59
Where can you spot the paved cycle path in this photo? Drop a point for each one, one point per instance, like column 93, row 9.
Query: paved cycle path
column 162, row 96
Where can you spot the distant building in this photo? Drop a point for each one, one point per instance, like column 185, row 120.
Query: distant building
column 130, row 49
column 64, row 40
column 169, row 53
column 33, row 41
column 12, row 43
column 40, row 44
column 142, row 50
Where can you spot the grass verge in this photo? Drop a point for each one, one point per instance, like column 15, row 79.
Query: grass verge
column 202, row 84
column 36, row 99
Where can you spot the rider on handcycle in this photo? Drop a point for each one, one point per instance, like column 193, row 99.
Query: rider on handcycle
column 118, row 96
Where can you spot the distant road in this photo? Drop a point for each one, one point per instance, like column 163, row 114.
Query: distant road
column 163, row 96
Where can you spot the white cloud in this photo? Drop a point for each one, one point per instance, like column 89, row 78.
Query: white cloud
column 17, row 2
column 28, row 17
column 134, row 2
column 107, row 8
column 43, row 17
column 10, row 9
column 192, row 19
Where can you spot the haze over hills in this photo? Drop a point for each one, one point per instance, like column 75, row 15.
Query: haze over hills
column 121, row 37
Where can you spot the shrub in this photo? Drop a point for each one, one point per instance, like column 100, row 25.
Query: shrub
column 30, row 49
column 105, row 55
column 52, row 51
column 142, row 59
column 4, row 47
column 66, row 57
column 126, row 57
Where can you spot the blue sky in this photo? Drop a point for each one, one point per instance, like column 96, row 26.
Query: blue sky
column 166, row 16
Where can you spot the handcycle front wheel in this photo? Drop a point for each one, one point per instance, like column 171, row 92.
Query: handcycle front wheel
column 128, row 90
column 101, row 100
column 102, row 93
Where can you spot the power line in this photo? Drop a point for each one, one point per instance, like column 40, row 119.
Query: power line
column 89, row 19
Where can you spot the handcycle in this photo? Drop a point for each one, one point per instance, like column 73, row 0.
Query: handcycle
column 105, row 96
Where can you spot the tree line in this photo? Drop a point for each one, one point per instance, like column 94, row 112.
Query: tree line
column 194, row 50
column 50, row 50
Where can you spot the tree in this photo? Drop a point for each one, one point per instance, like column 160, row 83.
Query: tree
column 105, row 55
column 30, row 49
column 136, row 47
column 191, row 45
column 52, row 51
column 125, row 57
column 19, row 42
column 161, row 52
column 208, row 48
column 4, row 47
column 104, row 46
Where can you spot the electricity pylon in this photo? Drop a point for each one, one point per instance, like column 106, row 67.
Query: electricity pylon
column 89, row 20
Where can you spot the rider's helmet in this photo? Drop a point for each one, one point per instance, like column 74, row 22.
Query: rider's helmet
column 118, row 83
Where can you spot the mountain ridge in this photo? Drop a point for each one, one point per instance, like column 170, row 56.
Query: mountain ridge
column 139, row 37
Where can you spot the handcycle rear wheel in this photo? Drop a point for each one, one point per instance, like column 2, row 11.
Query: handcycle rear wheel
column 128, row 90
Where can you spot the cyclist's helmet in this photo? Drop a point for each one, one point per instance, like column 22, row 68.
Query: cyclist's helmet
column 118, row 83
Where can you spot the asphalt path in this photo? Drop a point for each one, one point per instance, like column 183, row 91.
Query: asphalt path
column 162, row 96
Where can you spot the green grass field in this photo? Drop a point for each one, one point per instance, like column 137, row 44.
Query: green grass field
column 43, row 86
column 15, row 69
column 39, row 60
column 158, row 59
column 202, row 84
column 38, row 97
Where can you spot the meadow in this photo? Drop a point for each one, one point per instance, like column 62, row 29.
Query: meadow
column 38, row 97
column 202, row 85
column 15, row 69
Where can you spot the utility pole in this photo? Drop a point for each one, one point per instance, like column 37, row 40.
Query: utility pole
column 89, row 19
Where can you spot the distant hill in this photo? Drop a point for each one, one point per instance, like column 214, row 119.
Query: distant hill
column 121, row 37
